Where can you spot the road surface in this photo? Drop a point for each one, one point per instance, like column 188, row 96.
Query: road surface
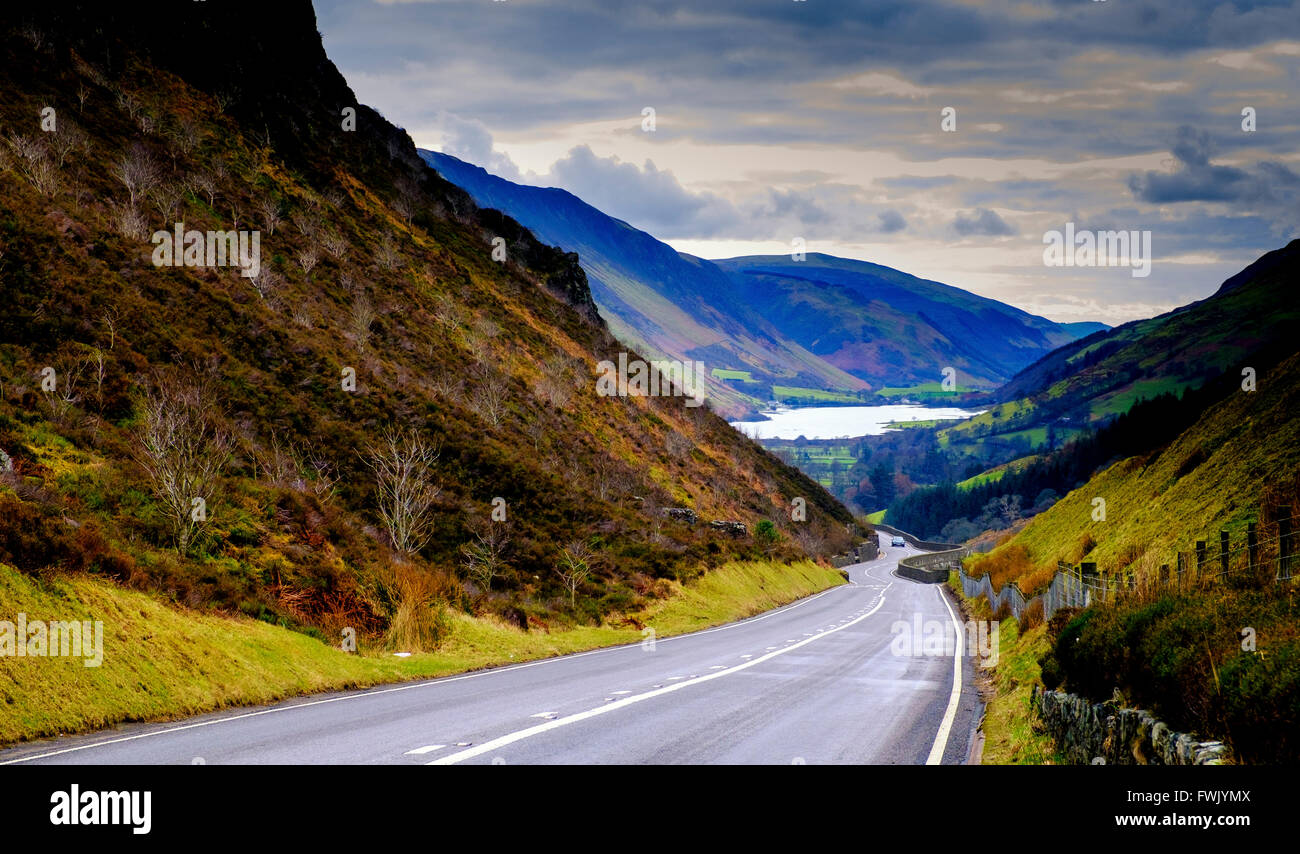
column 815, row 682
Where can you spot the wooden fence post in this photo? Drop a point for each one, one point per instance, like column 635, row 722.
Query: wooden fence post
column 1180, row 572
column 1252, row 547
column 1223, row 552
column 1164, row 575
column 1200, row 559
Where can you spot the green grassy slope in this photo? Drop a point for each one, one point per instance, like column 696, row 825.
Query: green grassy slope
column 1216, row 475
column 160, row 662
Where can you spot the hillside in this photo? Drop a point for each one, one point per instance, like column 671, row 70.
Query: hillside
column 1103, row 373
column 890, row 328
column 771, row 327
column 664, row 302
column 1236, row 464
column 333, row 441
column 1210, row 652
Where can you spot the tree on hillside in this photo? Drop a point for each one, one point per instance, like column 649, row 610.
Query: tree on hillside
column 483, row 558
column 573, row 567
column 183, row 448
column 403, row 463
column 138, row 172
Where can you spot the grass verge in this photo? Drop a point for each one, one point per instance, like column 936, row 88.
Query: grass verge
column 1010, row 736
column 161, row 663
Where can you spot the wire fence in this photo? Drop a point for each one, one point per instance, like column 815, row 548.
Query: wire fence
column 1254, row 560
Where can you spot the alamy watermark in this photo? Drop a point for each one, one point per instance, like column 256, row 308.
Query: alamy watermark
column 1083, row 248
column 194, row 248
column 25, row 638
column 658, row 378
column 938, row 638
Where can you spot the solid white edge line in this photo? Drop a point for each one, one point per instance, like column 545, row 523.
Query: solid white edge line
column 538, row 729
column 423, row 682
column 941, row 738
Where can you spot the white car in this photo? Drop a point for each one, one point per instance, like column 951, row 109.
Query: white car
column 898, row 541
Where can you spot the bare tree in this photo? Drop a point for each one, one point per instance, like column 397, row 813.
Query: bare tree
column 335, row 244
column 574, row 566
column 99, row 370
column 138, row 171
column 34, row 164
column 131, row 223
column 67, row 139
column 483, row 558
column 446, row 312
column 203, row 183
column 363, row 314
column 403, row 463
column 308, row 259
column 489, row 397
column 129, row 102
column 267, row 282
column 63, row 396
column 183, row 449
column 270, row 210
column 109, row 321
column 387, row 255
column 610, row 479
column 186, row 135
column 166, row 198
column 83, row 92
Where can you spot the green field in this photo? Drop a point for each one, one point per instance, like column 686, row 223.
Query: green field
column 901, row 425
column 792, row 393
column 924, row 390
column 995, row 474
column 725, row 374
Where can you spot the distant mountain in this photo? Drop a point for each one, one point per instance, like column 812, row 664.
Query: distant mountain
column 1082, row 328
column 822, row 324
column 890, row 328
column 1255, row 312
column 654, row 298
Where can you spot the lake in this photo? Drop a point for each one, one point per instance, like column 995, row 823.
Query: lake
column 834, row 422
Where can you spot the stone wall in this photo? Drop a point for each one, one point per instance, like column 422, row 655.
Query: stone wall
column 1092, row 733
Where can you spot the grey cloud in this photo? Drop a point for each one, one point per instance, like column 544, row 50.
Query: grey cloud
column 645, row 196
column 891, row 222
column 983, row 222
column 1269, row 187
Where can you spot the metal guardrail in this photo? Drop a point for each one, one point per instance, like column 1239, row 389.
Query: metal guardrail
column 933, row 566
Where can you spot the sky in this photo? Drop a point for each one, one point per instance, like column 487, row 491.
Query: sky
column 944, row 138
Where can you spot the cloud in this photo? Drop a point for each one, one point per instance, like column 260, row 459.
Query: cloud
column 983, row 222
column 645, row 196
column 821, row 119
column 879, row 83
column 1269, row 188
column 891, row 222
column 471, row 141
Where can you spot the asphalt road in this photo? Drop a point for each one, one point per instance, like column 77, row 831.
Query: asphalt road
column 818, row 681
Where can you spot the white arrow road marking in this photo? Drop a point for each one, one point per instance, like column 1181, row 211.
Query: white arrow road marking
column 520, row 735
column 550, row 716
column 420, row 751
column 941, row 738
